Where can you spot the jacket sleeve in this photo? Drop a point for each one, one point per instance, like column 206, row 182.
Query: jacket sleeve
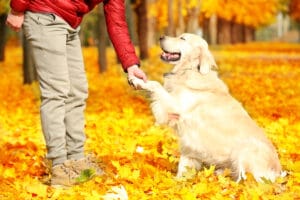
column 19, row 5
column 117, row 28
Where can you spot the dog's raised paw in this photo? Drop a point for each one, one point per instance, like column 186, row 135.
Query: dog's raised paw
column 140, row 84
column 136, row 82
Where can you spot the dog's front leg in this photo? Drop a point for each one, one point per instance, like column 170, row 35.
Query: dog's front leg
column 164, row 107
column 186, row 163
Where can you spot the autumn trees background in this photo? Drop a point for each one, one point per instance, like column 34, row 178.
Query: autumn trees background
column 140, row 159
column 218, row 21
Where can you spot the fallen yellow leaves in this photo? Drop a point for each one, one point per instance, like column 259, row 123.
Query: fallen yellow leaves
column 139, row 158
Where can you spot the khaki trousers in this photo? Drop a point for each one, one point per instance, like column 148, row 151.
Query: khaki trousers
column 63, row 84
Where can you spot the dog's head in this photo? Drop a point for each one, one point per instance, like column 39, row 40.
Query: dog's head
column 187, row 49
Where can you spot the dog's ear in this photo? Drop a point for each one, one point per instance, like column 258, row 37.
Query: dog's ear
column 207, row 61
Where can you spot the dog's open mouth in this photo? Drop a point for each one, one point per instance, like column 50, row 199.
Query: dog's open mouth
column 170, row 56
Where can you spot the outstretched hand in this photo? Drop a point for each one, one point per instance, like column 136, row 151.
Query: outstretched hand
column 134, row 72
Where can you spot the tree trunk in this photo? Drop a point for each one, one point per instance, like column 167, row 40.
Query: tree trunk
column 249, row 33
column 131, row 22
column 101, row 35
column 205, row 27
column 181, row 26
column 298, row 34
column 170, row 28
column 2, row 36
column 29, row 72
column 192, row 24
column 151, row 28
column 237, row 33
column 224, row 31
column 142, row 29
column 213, row 29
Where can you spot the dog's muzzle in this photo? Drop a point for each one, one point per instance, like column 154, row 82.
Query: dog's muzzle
column 170, row 56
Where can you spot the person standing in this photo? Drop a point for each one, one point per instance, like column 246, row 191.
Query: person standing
column 52, row 27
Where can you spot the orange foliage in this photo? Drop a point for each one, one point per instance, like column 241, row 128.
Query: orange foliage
column 159, row 10
column 295, row 9
column 140, row 159
column 252, row 13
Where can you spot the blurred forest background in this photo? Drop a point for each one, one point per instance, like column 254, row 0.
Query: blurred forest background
column 218, row 21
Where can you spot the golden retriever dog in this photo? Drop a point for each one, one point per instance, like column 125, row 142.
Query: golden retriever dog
column 213, row 127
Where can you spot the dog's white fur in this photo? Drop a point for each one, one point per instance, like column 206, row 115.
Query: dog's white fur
column 213, row 127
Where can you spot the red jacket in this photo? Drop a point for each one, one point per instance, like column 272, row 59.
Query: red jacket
column 72, row 12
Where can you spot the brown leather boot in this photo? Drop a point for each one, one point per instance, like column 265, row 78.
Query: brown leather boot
column 87, row 163
column 63, row 175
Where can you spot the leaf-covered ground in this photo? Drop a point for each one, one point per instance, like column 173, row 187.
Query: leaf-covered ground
column 140, row 159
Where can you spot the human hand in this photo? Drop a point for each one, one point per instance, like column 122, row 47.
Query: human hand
column 134, row 72
column 15, row 20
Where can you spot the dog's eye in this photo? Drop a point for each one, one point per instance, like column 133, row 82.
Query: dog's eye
column 182, row 38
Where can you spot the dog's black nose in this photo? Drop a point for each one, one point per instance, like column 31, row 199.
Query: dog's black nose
column 161, row 37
